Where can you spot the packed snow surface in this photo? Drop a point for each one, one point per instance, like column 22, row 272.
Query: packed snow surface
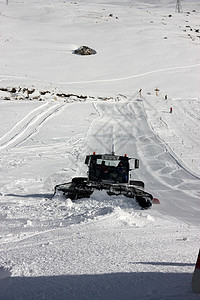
column 147, row 62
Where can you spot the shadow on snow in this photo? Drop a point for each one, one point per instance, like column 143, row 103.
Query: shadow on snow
column 116, row 286
column 162, row 263
column 49, row 196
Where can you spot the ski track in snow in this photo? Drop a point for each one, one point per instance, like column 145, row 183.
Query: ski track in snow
column 132, row 76
column 28, row 125
column 106, row 80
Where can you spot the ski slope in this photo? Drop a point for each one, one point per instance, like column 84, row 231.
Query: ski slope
column 105, row 247
column 79, row 248
column 125, row 126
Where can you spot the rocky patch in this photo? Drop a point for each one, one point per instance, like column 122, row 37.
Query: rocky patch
column 84, row 50
column 25, row 93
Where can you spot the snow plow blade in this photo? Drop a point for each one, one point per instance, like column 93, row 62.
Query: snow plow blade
column 156, row 201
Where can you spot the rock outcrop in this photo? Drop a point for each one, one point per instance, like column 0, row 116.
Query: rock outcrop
column 84, row 50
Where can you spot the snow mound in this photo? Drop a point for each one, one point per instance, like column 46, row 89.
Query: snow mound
column 107, row 211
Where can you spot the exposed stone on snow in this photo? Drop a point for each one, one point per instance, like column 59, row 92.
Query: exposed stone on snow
column 85, row 50
column 25, row 93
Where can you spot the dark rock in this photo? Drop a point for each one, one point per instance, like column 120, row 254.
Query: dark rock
column 31, row 91
column 84, row 50
column 13, row 90
column 44, row 93
column 4, row 89
column 63, row 95
column 81, row 97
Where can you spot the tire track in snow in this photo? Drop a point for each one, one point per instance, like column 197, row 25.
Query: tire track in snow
column 28, row 125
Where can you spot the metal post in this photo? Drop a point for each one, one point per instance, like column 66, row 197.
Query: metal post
column 178, row 6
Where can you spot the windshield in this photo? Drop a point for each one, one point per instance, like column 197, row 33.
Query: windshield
column 113, row 163
column 113, row 170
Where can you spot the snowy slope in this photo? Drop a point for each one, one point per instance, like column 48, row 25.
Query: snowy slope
column 103, row 247
column 139, row 47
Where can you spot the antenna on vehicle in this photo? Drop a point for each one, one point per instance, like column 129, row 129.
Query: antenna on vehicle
column 113, row 149
column 178, row 6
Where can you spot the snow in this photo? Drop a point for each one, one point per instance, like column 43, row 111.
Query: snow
column 105, row 247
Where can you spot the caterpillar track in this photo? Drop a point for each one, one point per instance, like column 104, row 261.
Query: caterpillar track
column 107, row 172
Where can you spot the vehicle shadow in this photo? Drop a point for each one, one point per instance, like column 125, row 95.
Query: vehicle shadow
column 49, row 196
column 166, row 264
column 113, row 286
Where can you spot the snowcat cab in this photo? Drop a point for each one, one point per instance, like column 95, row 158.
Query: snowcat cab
column 108, row 172
column 110, row 168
